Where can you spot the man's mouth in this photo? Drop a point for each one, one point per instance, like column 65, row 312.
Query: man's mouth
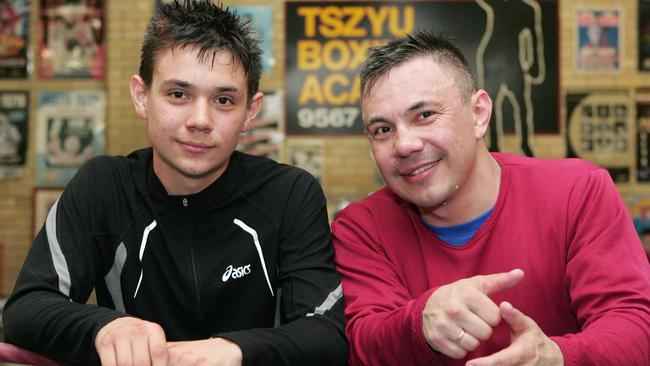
column 422, row 169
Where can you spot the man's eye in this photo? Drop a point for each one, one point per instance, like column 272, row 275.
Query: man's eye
column 224, row 100
column 382, row 130
column 427, row 114
column 177, row 94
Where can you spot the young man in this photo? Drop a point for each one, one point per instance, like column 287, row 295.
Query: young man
column 472, row 258
column 195, row 251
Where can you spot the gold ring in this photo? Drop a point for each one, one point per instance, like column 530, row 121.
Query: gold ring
column 460, row 336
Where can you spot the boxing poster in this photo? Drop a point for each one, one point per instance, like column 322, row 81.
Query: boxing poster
column 70, row 132
column 14, row 35
column 71, row 39
column 514, row 58
column 14, row 107
column 598, row 44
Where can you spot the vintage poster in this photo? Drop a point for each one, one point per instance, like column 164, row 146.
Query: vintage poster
column 260, row 19
column 14, row 35
column 598, row 44
column 600, row 129
column 326, row 42
column 307, row 154
column 70, row 131
column 14, row 123
column 71, row 39
column 265, row 136
column 644, row 35
column 643, row 136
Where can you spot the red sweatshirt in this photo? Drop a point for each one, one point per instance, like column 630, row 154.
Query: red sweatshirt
column 586, row 284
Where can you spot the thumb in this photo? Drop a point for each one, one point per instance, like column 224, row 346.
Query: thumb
column 499, row 281
column 518, row 321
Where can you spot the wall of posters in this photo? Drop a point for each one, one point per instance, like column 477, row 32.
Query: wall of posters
column 14, row 33
column 13, row 132
column 599, row 129
column 598, row 44
column 259, row 18
column 71, row 39
column 326, row 42
column 70, row 131
column 644, row 35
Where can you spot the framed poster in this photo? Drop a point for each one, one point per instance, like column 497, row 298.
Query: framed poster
column 600, row 129
column 71, row 39
column 307, row 154
column 44, row 199
column 260, row 19
column 14, row 35
column 70, row 132
column 326, row 42
column 598, row 44
column 14, row 123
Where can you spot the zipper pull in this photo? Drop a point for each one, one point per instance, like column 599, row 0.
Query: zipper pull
column 184, row 202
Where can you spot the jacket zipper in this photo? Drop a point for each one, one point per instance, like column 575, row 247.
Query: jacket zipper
column 194, row 271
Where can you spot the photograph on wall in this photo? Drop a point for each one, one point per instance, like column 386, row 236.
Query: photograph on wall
column 44, row 199
column 71, row 39
column 307, row 154
column 260, row 19
column 14, row 35
column 14, row 123
column 598, row 39
column 326, row 42
column 70, row 132
column 644, row 35
column 265, row 135
column 599, row 129
column 643, row 136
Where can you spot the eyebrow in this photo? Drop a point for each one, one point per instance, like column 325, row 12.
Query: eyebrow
column 185, row 84
column 414, row 107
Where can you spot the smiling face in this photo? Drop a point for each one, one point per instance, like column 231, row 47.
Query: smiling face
column 424, row 137
column 195, row 110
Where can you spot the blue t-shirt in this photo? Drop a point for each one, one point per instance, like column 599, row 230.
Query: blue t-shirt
column 458, row 235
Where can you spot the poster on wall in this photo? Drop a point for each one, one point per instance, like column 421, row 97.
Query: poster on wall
column 327, row 41
column 13, row 133
column 643, row 136
column 644, row 35
column 265, row 136
column 70, row 131
column 71, row 39
column 599, row 129
column 260, row 19
column 14, row 35
column 598, row 43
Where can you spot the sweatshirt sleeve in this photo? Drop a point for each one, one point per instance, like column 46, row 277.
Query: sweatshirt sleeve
column 608, row 278
column 383, row 320
column 46, row 313
column 310, row 330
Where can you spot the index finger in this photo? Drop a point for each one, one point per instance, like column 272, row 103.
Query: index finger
column 489, row 284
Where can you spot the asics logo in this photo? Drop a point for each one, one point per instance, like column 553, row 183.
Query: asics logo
column 235, row 272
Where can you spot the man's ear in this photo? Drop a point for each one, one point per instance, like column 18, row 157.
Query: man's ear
column 481, row 112
column 253, row 109
column 139, row 95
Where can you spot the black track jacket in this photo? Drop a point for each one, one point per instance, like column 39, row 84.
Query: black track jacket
column 250, row 251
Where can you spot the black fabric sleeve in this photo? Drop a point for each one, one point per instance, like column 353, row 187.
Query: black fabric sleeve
column 312, row 325
column 46, row 313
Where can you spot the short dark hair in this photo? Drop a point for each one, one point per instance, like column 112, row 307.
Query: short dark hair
column 207, row 26
column 382, row 59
